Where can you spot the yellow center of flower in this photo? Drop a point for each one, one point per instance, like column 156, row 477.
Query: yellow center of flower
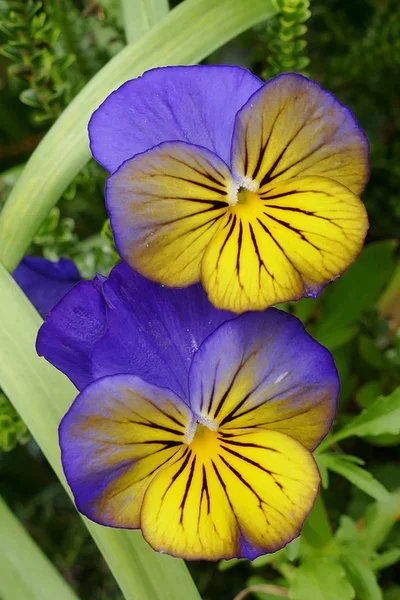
column 205, row 441
column 247, row 201
column 245, row 196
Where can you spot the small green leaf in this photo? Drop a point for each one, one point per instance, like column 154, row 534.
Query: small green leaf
column 321, row 579
column 383, row 416
column 386, row 559
column 346, row 466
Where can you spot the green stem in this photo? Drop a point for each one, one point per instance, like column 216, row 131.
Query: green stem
column 189, row 33
column 25, row 572
column 41, row 395
column 141, row 15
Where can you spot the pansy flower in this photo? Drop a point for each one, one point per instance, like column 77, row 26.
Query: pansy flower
column 251, row 188
column 45, row 282
column 193, row 424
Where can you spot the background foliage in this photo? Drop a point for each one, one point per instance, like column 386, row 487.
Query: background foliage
column 351, row 544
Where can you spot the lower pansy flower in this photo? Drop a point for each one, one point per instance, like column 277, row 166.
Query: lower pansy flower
column 192, row 424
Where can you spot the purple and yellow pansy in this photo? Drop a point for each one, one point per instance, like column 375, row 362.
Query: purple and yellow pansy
column 251, row 188
column 193, row 424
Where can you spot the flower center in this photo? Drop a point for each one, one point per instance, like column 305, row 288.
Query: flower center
column 245, row 196
column 240, row 189
column 198, row 430
column 205, row 441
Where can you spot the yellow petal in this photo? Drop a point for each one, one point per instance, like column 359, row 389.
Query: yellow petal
column 293, row 127
column 283, row 243
column 165, row 205
column 116, row 436
column 217, row 502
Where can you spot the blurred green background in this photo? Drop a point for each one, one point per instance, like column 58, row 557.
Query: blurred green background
column 49, row 50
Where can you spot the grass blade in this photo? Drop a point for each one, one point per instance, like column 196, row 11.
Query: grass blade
column 140, row 16
column 25, row 572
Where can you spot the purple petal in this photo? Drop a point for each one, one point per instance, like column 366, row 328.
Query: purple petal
column 71, row 329
column 127, row 324
column 196, row 104
column 264, row 370
column 45, row 282
column 152, row 331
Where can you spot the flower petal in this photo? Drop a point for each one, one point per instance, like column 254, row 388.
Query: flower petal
column 45, row 282
column 127, row 324
column 215, row 502
column 165, row 206
column 196, row 104
column 282, row 244
column 267, row 372
column 70, row 331
column 291, row 127
column 118, row 433
column 152, row 331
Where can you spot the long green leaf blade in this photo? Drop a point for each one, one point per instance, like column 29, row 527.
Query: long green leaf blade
column 188, row 34
column 142, row 15
column 41, row 394
column 25, row 572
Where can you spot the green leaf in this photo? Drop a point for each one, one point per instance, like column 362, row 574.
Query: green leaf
column 361, row 576
column 386, row 559
column 41, row 395
column 346, row 466
column 142, row 15
column 321, row 579
column 189, row 33
column 382, row 416
column 25, row 572
column 357, row 290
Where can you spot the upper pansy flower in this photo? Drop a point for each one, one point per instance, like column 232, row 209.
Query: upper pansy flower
column 45, row 282
column 192, row 424
column 251, row 188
